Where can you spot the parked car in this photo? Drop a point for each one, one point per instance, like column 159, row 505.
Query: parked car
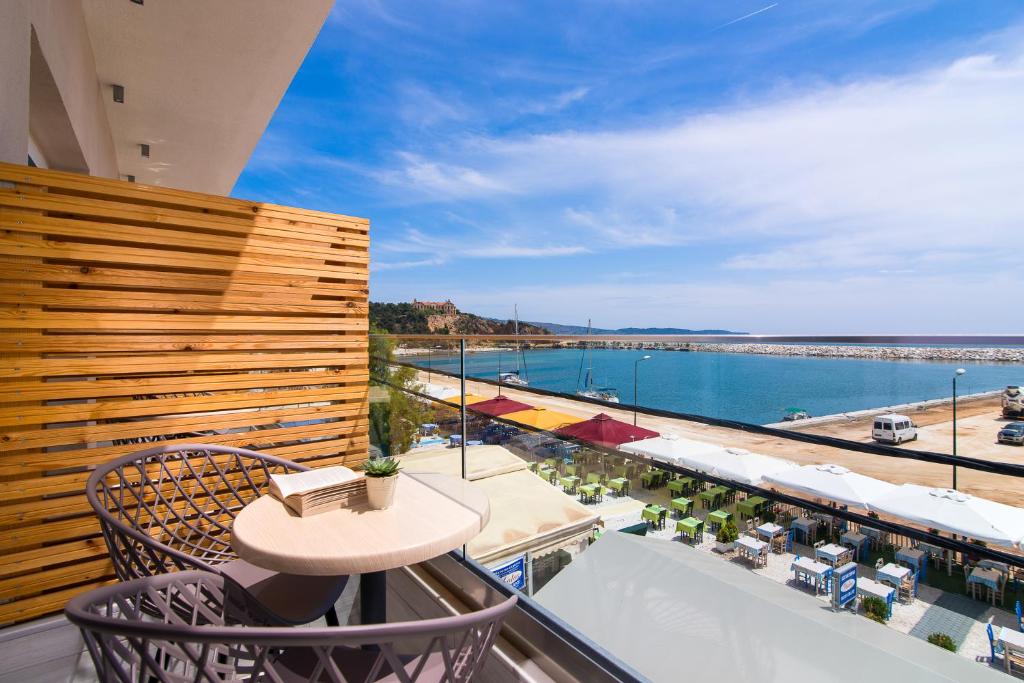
column 1012, row 433
column 893, row 428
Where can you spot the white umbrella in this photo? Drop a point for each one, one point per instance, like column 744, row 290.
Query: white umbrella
column 955, row 512
column 833, row 482
column 669, row 448
column 740, row 465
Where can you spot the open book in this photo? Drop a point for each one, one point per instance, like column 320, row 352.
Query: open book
column 319, row 490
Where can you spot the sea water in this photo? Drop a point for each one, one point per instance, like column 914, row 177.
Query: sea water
column 746, row 387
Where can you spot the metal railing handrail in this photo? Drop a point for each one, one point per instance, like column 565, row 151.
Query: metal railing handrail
column 881, row 339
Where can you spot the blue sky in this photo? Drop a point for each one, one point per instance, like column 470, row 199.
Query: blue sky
column 812, row 167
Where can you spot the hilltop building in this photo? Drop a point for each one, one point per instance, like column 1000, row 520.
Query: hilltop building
column 445, row 307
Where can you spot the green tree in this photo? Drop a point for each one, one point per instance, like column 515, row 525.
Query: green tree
column 395, row 415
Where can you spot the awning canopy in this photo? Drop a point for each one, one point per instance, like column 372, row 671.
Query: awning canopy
column 471, row 399
column 675, row 613
column 670, row 448
column 833, row 482
column 500, row 405
column 542, row 418
column 955, row 512
column 604, row 430
column 736, row 464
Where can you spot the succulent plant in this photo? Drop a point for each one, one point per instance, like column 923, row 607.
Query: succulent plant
column 381, row 467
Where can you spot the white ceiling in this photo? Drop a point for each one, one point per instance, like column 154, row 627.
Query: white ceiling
column 201, row 79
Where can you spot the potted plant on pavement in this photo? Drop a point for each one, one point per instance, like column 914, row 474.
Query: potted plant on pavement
column 726, row 537
column 381, row 480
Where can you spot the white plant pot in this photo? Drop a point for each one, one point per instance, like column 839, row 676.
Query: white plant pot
column 724, row 547
column 380, row 491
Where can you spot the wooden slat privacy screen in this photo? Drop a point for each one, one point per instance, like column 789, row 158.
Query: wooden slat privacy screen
column 134, row 314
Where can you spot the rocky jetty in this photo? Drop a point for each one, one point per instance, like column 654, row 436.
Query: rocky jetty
column 984, row 354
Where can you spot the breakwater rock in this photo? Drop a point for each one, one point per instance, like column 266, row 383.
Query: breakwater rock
column 1000, row 355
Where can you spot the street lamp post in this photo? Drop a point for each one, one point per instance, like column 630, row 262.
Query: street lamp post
column 959, row 371
column 636, row 369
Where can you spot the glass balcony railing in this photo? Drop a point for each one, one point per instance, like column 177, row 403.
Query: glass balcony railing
column 796, row 466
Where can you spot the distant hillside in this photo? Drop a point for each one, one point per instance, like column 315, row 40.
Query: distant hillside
column 405, row 319
column 556, row 328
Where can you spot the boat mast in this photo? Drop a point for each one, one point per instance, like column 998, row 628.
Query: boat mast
column 516, row 331
column 590, row 360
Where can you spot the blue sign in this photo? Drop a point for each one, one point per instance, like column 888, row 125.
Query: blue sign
column 845, row 584
column 513, row 572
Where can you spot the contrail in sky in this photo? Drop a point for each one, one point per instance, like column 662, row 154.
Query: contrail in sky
column 747, row 16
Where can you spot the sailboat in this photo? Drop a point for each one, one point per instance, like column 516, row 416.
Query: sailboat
column 589, row 390
column 515, row 377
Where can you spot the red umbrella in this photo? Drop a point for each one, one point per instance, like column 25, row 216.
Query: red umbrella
column 498, row 405
column 604, row 430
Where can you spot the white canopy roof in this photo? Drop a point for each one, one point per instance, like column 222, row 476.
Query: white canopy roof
column 736, row 464
column 955, row 512
column 674, row 613
column 670, row 448
column 833, row 482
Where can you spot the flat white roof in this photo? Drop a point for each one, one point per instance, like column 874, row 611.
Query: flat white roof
column 674, row 613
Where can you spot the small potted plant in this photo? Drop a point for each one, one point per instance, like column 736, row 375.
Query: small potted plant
column 381, row 480
column 725, row 539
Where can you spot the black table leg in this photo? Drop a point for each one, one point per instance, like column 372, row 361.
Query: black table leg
column 373, row 598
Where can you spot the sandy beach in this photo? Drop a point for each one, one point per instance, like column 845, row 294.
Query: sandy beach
column 977, row 424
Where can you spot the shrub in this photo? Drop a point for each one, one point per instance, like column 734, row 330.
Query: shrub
column 727, row 533
column 943, row 641
column 876, row 609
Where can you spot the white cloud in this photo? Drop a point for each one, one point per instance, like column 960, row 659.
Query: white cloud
column 841, row 176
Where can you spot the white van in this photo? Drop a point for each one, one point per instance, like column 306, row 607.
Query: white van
column 893, row 428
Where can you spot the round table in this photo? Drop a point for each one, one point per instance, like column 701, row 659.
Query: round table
column 432, row 514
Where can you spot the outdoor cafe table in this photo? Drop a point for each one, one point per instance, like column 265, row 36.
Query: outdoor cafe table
column 807, row 527
column 650, row 479
column 717, row 518
column 770, row 531
column 619, row 485
column 867, row 588
column 691, row 527
column 915, row 558
column 877, row 536
column 898, row 577
column 833, row 554
column 432, row 514
column 1012, row 641
column 859, row 542
column 989, row 578
column 574, row 469
column 812, row 573
column 684, row 506
column 712, row 497
column 654, row 514
column 752, row 549
column 570, row 483
column 751, row 507
column 681, row 485
column 936, row 553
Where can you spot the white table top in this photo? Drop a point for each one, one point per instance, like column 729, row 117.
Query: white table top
column 873, row 588
column 853, row 537
column 805, row 522
column 993, row 564
column 432, row 514
column 1014, row 639
column 770, row 529
column 893, row 572
column 809, row 565
column 751, row 543
column 831, row 550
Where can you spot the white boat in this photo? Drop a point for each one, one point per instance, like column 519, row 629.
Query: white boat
column 589, row 390
column 515, row 377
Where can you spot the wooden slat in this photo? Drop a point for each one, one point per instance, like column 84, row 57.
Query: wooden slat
column 130, row 312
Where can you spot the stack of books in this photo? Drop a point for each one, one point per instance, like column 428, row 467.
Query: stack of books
column 319, row 490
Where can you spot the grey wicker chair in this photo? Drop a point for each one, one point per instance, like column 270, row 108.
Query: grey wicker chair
column 170, row 508
column 178, row 627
